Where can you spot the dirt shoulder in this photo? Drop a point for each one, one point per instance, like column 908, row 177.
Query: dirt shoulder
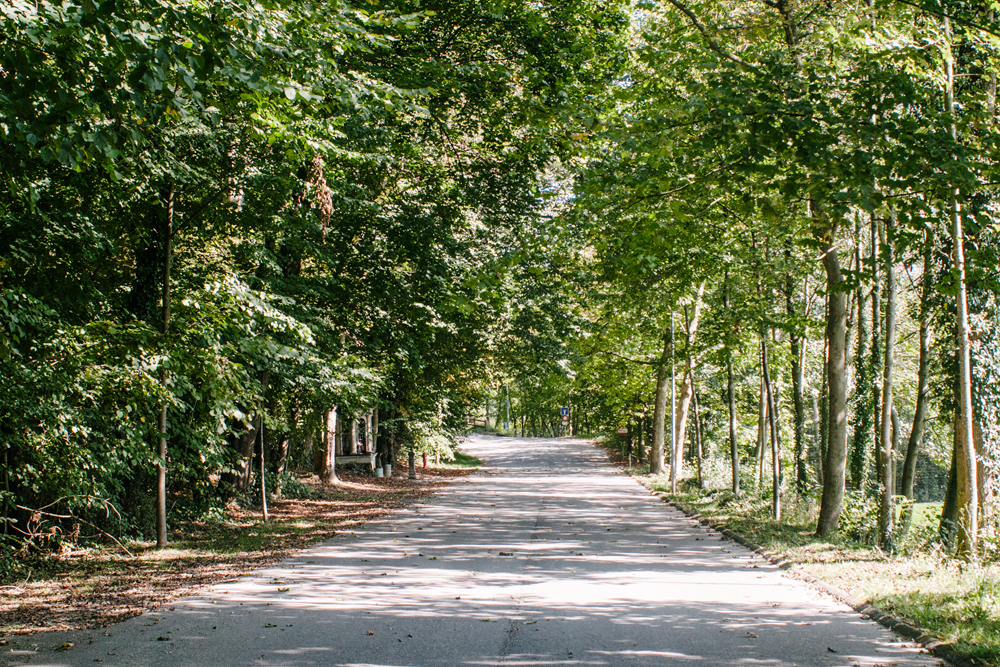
column 90, row 588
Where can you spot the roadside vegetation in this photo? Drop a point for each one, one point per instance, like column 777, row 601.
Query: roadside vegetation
column 752, row 243
column 922, row 583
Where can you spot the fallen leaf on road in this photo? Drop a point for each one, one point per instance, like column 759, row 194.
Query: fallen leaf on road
column 370, row 632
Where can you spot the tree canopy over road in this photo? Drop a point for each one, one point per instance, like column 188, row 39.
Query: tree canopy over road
column 762, row 236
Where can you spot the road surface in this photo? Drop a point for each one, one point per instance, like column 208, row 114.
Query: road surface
column 548, row 556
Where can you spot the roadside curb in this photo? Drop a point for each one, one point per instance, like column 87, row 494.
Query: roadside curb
column 933, row 645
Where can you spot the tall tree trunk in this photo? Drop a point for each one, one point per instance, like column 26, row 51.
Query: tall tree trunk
column 687, row 389
column 818, row 438
column 863, row 407
column 923, row 374
column 700, row 451
column 762, row 413
column 875, row 394
column 330, row 462
column 734, row 453
column 263, row 471
column 656, row 452
column 772, row 410
column 836, row 378
column 886, row 514
column 161, row 446
column 798, row 382
column 799, row 408
column 967, row 538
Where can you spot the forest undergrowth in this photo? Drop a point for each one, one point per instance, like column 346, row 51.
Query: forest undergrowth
column 921, row 583
column 96, row 586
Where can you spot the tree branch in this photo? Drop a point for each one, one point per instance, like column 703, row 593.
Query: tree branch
column 712, row 42
column 953, row 17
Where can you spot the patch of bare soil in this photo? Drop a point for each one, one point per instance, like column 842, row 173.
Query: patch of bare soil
column 90, row 588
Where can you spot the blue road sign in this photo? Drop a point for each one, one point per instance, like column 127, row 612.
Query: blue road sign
column 564, row 411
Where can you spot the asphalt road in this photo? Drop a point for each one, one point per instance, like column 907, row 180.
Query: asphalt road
column 549, row 556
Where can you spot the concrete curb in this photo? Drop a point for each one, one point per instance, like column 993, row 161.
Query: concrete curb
column 933, row 645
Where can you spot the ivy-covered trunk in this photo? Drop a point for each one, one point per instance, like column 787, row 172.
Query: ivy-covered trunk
column 835, row 465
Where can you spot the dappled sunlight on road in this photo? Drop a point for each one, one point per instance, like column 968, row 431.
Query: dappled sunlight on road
column 547, row 557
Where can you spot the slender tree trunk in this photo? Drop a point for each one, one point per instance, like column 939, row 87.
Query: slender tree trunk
column 700, row 452
column 863, row 407
column 161, row 447
column 687, row 387
column 330, row 464
column 967, row 538
column 799, row 407
column 734, row 453
column 818, row 438
column 875, row 394
column 263, row 472
column 886, row 511
column 923, row 374
column 836, row 378
column 762, row 413
column 656, row 452
column 798, row 382
column 775, row 438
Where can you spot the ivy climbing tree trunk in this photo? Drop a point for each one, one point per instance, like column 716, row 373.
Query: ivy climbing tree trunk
column 835, row 464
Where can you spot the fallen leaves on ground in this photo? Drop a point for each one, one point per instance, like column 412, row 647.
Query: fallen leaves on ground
column 88, row 588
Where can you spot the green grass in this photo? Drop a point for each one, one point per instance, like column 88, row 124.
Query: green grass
column 921, row 583
column 462, row 460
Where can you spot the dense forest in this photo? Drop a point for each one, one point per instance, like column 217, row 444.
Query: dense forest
column 760, row 236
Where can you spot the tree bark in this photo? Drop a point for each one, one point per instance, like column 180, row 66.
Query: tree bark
column 886, row 517
column 966, row 543
column 700, row 451
column 687, row 388
column 329, row 475
column 656, row 452
column 923, row 373
column 762, row 412
column 836, row 378
column 862, row 399
column 161, row 447
column 798, row 382
column 734, row 453
column 775, row 438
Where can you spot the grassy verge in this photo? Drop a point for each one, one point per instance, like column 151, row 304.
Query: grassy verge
column 462, row 461
column 921, row 585
column 86, row 588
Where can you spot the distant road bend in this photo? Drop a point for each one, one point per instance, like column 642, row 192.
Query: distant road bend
column 549, row 556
